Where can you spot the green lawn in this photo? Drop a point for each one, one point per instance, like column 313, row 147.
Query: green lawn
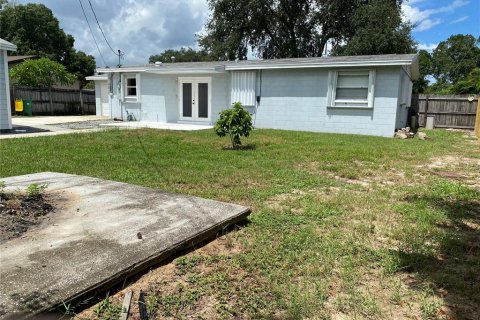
column 342, row 225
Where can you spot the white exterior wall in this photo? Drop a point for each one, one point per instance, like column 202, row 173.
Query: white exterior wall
column 5, row 108
column 291, row 99
column 159, row 97
column 404, row 100
column 297, row 100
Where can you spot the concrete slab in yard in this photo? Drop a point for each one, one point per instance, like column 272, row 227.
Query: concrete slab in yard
column 91, row 241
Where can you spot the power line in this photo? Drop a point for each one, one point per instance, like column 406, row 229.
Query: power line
column 91, row 32
column 101, row 30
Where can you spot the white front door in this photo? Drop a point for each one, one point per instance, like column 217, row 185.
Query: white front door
column 194, row 98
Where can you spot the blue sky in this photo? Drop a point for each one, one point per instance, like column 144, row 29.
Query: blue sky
column 141, row 28
column 436, row 20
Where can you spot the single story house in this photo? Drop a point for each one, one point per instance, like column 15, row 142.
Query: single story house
column 367, row 95
column 5, row 108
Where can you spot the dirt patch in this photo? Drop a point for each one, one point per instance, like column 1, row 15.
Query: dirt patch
column 466, row 170
column 19, row 212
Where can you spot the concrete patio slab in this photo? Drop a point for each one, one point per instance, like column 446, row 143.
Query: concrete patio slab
column 100, row 233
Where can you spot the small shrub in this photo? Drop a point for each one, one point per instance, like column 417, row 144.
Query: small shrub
column 34, row 190
column 235, row 122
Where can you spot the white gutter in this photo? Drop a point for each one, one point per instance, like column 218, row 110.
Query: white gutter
column 319, row 65
column 96, row 78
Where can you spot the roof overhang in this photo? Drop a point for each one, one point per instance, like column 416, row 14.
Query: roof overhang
column 408, row 62
column 162, row 70
column 97, row 78
column 5, row 45
column 412, row 65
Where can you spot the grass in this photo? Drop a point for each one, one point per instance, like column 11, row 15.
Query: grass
column 342, row 225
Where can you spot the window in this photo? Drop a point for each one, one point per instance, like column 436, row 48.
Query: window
column 243, row 87
column 130, row 88
column 351, row 89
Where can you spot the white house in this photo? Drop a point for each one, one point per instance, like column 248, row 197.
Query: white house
column 344, row 94
column 5, row 107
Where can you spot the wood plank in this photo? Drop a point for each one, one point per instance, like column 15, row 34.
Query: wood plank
column 126, row 305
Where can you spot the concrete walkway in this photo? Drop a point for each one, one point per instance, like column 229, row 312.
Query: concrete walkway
column 44, row 126
column 100, row 233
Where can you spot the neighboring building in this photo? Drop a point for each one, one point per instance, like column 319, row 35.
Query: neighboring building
column 344, row 94
column 5, row 108
column 14, row 60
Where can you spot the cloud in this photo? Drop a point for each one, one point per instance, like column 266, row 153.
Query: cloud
column 427, row 46
column 139, row 28
column 427, row 24
column 424, row 19
column 461, row 19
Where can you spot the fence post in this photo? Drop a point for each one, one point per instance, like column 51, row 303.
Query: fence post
column 426, row 111
column 477, row 120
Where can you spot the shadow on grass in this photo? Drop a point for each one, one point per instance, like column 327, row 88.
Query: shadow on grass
column 240, row 148
column 453, row 273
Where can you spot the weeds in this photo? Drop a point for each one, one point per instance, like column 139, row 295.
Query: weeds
column 106, row 310
column 34, row 190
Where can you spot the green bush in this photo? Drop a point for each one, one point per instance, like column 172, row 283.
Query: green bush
column 235, row 122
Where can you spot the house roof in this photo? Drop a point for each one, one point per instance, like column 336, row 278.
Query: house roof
column 15, row 59
column 408, row 61
column 97, row 77
column 5, row 45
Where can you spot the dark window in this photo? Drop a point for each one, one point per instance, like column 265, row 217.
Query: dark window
column 203, row 100
column 187, row 99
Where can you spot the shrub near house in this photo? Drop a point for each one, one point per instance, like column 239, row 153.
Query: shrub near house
column 235, row 122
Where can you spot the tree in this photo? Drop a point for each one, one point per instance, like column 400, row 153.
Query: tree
column 274, row 28
column 182, row 55
column 235, row 122
column 42, row 73
column 455, row 58
column 425, row 66
column 3, row 4
column 377, row 28
column 302, row 28
column 81, row 65
column 35, row 31
column 471, row 85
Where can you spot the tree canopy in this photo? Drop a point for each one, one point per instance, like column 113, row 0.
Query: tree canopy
column 454, row 65
column 455, row 58
column 35, row 31
column 302, row 28
column 181, row 55
column 41, row 72
column 377, row 28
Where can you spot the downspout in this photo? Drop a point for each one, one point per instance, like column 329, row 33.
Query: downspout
column 258, row 98
column 110, row 93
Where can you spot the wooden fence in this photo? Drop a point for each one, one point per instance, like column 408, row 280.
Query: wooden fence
column 65, row 101
column 449, row 111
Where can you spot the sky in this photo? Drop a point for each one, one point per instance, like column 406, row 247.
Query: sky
column 141, row 28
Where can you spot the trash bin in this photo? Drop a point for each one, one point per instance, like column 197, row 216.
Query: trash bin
column 27, row 107
column 18, row 105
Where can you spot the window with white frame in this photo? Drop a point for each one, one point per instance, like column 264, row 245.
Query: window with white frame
column 351, row 89
column 131, row 90
column 243, row 87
